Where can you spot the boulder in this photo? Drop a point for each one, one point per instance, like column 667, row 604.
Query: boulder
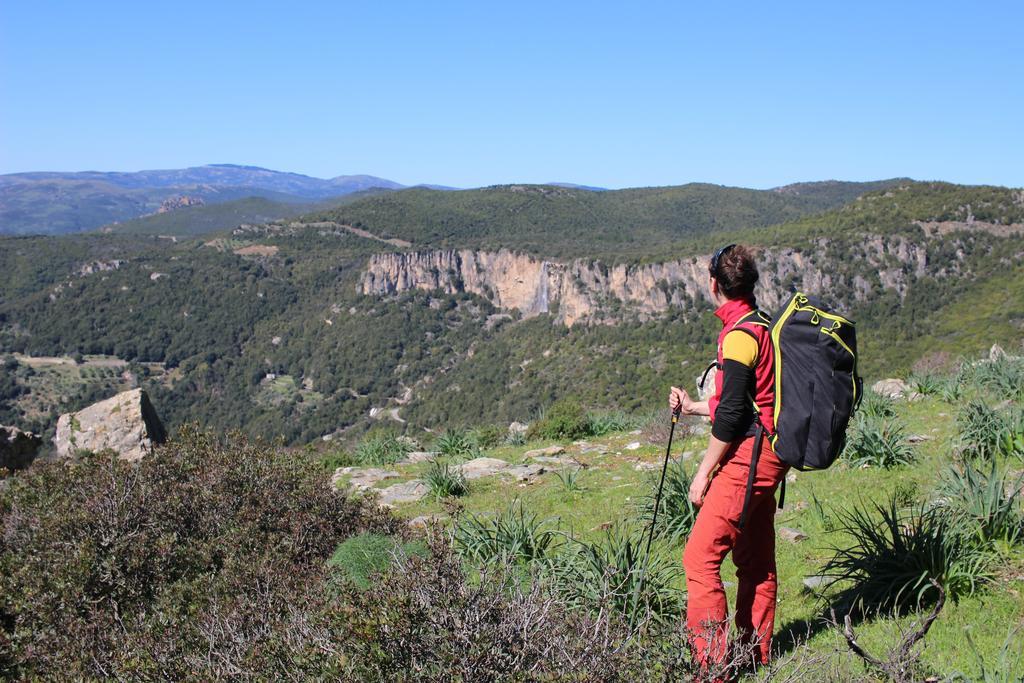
column 549, row 451
column 17, row 448
column 126, row 424
column 406, row 492
column 482, row 467
column 891, row 388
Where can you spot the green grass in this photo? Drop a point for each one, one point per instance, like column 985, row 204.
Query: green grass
column 611, row 489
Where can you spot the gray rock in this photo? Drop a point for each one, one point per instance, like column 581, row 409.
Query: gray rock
column 127, row 424
column 554, row 460
column 891, row 388
column 632, row 446
column 814, row 583
column 792, row 535
column 550, row 450
column 362, row 477
column 406, row 492
column 687, row 455
column 17, row 448
column 645, row 466
column 996, row 353
column 599, row 449
column 918, row 438
column 482, row 467
column 418, row 457
column 791, row 478
column 525, row 472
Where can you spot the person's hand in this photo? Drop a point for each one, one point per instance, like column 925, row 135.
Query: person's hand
column 698, row 487
column 679, row 401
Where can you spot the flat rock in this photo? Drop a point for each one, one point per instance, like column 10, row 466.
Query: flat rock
column 601, row 450
column 792, row 535
column 554, row 460
column 549, row 451
column 645, row 466
column 632, row 446
column 526, row 472
column 362, row 477
column 419, row 456
column 17, row 448
column 814, row 583
column 891, row 388
column 482, row 467
column 126, row 424
column 406, row 492
column 918, row 438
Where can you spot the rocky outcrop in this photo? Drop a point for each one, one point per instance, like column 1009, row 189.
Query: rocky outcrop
column 127, row 424
column 17, row 448
column 592, row 291
column 180, row 202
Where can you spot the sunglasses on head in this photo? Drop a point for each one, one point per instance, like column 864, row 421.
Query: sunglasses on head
column 713, row 269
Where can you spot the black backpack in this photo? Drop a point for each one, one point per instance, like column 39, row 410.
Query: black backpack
column 817, row 388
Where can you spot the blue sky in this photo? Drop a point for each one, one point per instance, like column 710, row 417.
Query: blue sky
column 613, row 94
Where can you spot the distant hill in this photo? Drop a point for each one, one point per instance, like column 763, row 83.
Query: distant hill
column 201, row 220
column 56, row 203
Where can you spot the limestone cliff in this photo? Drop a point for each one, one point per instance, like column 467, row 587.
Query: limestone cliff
column 591, row 291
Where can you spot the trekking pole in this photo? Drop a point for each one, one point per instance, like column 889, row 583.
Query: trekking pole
column 661, row 484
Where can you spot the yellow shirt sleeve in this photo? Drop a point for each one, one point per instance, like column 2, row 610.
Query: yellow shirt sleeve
column 740, row 346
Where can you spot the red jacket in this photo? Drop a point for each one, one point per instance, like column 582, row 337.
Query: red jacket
column 742, row 314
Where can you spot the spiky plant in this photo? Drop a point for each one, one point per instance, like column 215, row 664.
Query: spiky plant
column 676, row 513
column 617, row 573
column 569, row 478
column 892, row 555
column 454, row 443
column 381, row 450
column 513, row 535
column 878, row 442
column 446, row 481
column 982, row 430
column 600, row 424
column 876, row 405
column 988, row 503
column 926, row 383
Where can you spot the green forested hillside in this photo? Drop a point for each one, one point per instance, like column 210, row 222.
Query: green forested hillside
column 566, row 222
column 267, row 331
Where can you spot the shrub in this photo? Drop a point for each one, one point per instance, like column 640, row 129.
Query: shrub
column 616, row 573
column 487, row 437
column 445, row 480
column 878, row 442
column 676, row 514
column 454, row 443
column 893, row 556
column 180, row 566
column 988, row 503
column 565, row 419
column 382, row 449
column 512, row 535
column 1004, row 376
column 515, row 438
column 361, row 557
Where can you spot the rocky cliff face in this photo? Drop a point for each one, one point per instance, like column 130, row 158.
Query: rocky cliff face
column 591, row 291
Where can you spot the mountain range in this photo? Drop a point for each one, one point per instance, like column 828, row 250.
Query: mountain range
column 57, row 203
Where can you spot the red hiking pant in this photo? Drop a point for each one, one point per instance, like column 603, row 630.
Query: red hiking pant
column 714, row 534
